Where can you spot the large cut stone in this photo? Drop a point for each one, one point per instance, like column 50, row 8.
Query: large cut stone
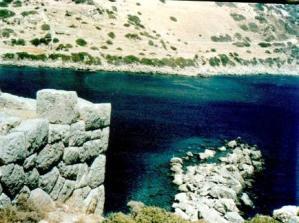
column 36, row 133
column 92, row 149
column 94, row 202
column 66, row 190
column 78, row 196
column 96, row 174
column 57, row 188
column 41, row 200
column 12, row 178
column 78, row 136
column 12, row 148
column 30, row 162
column 60, row 107
column 58, row 132
column 95, row 116
column 7, row 123
column 73, row 172
column 32, row 179
column 72, row 155
column 49, row 156
column 48, row 180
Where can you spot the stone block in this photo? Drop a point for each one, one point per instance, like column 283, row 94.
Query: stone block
column 47, row 181
column 96, row 174
column 58, row 132
column 60, row 107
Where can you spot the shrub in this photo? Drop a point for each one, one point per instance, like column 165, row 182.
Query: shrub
column 244, row 27
column 264, row 45
column 109, row 42
column 226, row 38
column 111, row 35
column 81, row 42
column 6, row 32
column 174, row 19
column 214, row 61
column 237, row 17
column 4, row 13
column 145, row 215
column 133, row 36
column 135, row 20
column 27, row 13
column 262, row 219
column 19, row 42
column 151, row 43
column 45, row 27
column 253, row 27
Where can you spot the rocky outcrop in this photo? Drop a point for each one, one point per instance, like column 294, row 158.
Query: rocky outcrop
column 58, row 154
column 215, row 187
column 287, row 214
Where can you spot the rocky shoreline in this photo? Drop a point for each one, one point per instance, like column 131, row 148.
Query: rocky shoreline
column 215, row 188
column 203, row 71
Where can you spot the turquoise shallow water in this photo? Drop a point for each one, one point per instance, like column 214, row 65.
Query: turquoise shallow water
column 157, row 117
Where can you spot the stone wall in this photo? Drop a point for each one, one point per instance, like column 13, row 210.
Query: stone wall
column 56, row 143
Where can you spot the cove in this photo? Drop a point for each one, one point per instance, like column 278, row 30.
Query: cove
column 157, row 117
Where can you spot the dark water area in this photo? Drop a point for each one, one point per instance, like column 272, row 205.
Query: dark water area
column 157, row 117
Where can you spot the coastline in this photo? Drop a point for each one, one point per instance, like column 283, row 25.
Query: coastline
column 204, row 71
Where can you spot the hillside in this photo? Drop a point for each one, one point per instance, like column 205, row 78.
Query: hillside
column 140, row 35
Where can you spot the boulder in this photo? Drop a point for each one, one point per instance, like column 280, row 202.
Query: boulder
column 12, row 179
column 30, row 162
column 96, row 174
column 91, row 150
column 207, row 154
column 4, row 200
column 210, row 215
column 246, row 200
column 72, row 155
column 66, row 190
column 232, row 144
column 78, row 136
column 32, row 178
column 41, row 200
column 49, row 156
column 94, row 202
column 7, row 123
column 135, row 206
column 181, row 213
column 286, row 213
column 12, row 148
column 176, row 160
column 58, row 132
column 234, row 217
column 48, row 180
column 59, row 107
column 57, row 188
column 95, row 116
column 36, row 133
column 78, row 196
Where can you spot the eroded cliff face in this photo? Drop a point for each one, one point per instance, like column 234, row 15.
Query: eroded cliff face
column 54, row 146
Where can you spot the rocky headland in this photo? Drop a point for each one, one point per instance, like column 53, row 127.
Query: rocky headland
column 216, row 187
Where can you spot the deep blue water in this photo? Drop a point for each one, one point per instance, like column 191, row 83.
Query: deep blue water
column 156, row 117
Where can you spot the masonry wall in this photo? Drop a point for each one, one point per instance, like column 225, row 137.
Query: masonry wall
column 56, row 143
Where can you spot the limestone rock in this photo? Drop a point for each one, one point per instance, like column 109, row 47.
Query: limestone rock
column 41, row 200
column 246, row 200
column 30, row 162
column 78, row 136
column 286, row 213
column 72, row 155
column 58, row 132
column 49, row 156
column 91, row 150
column 57, row 188
column 96, row 116
column 234, row 217
column 60, row 107
column 94, row 202
column 4, row 200
column 7, row 123
column 210, row 215
column 12, row 178
column 36, row 133
column 66, row 190
column 96, row 174
column 207, row 154
column 232, row 144
column 32, row 179
column 12, row 148
column 48, row 180
column 78, row 196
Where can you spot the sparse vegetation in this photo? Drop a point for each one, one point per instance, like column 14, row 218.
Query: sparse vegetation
column 261, row 219
column 5, row 13
column 81, row 42
column 44, row 40
column 28, row 13
column 132, row 36
column 18, row 42
column 237, row 17
column 111, row 35
column 264, row 45
column 135, row 21
column 45, row 27
column 221, row 38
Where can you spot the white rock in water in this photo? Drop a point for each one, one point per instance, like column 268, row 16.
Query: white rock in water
column 181, row 214
column 234, row 217
column 190, row 154
column 286, row 213
column 176, row 160
column 59, row 107
column 246, row 200
column 178, row 179
column 207, row 154
column 232, row 143
column 222, row 148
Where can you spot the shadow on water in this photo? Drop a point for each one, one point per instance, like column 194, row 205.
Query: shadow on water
column 157, row 117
